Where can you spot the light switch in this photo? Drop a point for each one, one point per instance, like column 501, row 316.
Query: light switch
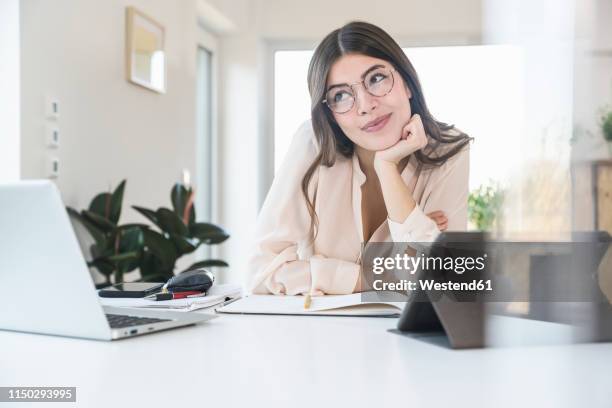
column 52, row 167
column 52, row 107
column 52, row 136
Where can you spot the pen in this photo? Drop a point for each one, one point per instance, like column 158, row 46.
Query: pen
column 173, row 295
column 199, row 294
column 307, row 301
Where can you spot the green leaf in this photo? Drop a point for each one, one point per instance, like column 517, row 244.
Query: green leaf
column 152, row 270
column 105, row 267
column 116, row 203
column 131, row 265
column 183, row 245
column 484, row 205
column 118, row 275
column 606, row 126
column 192, row 215
column 179, row 195
column 171, row 223
column 207, row 263
column 149, row 214
column 101, row 205
column 96, row 251
column 96, row 233
column 215, row 238
column 208, row 233
column 132, row 225
column 130, row 239
column 149, row 266
column 104, row 224
column 126, row 256
column 200, row 228
column 161, row 247
column 157, row 277
column 125, row 261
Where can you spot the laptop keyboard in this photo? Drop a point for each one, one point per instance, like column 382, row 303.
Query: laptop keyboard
column 121, row 321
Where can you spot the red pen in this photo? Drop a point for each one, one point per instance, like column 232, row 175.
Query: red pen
column 173, row 295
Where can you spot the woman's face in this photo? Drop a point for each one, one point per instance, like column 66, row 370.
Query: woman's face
column 374, row 122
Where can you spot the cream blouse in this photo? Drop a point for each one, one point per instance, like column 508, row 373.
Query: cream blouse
column 285, row 262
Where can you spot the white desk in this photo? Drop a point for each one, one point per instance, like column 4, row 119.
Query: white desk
column 265, row 361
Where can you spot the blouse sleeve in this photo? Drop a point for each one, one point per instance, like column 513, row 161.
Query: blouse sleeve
column 283, row 227
column 447, row 192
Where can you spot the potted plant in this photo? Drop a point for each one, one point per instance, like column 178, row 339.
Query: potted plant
column 117, row 248
column 606, row 127
column 484, row 207
column 179, row 234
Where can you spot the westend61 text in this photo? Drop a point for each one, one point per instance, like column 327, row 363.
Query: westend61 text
column 430, row 284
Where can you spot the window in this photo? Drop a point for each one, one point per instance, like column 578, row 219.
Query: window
column 477, row 88
column 291, row 98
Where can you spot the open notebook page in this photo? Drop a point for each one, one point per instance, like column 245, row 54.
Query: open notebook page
column 349, row 305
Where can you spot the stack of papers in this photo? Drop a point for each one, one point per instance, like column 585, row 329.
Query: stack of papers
column 216, row 296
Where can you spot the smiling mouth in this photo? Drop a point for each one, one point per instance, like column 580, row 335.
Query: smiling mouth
column 377, row 124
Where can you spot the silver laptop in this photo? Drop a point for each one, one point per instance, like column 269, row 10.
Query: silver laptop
column 46, row 285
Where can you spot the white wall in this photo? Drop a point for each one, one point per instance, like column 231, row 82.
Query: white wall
column 406, row 20
column 110, row 129
column 9, row 96
column 245, row 121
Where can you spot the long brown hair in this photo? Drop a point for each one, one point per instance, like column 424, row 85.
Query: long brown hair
column 367, row 39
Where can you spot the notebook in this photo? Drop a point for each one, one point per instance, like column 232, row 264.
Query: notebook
column 330, row 305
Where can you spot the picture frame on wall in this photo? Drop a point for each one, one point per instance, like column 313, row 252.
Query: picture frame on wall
column 145, row 53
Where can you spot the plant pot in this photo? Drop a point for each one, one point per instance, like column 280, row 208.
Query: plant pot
column 609, row 148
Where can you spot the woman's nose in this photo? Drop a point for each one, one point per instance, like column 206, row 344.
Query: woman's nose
column 365, row 102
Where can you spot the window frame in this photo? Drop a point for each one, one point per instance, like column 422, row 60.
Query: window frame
column 208, row 192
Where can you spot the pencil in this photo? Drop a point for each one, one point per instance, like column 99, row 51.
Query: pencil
column 307, row 301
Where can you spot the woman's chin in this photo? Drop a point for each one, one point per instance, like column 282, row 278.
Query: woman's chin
column 384, row 143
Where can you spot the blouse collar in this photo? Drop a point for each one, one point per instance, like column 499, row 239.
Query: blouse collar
column 360, row 176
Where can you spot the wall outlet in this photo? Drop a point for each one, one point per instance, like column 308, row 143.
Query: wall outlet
column 52, row 167
column 52, row 107
column 52, row 136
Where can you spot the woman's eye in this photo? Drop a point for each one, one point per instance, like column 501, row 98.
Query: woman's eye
column 377, row 77
column 340, row 96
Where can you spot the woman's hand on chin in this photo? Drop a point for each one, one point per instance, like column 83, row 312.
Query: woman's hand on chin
column 413, row 138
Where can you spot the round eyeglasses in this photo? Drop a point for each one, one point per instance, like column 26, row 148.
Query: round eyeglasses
column 341, row 98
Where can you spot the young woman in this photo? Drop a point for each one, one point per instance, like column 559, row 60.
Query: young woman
column 371, row 165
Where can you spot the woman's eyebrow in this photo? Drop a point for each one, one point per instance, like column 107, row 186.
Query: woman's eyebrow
column 367, row 71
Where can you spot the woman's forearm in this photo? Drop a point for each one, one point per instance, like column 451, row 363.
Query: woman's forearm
column 397, row 197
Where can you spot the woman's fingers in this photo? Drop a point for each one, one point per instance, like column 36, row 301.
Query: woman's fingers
column 437, row 216
column 415, row 132
column 413, row 126
column 413, row 138
column 443, row 225
column 440, row 219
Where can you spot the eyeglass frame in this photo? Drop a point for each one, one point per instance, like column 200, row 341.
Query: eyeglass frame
column 362, row 82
